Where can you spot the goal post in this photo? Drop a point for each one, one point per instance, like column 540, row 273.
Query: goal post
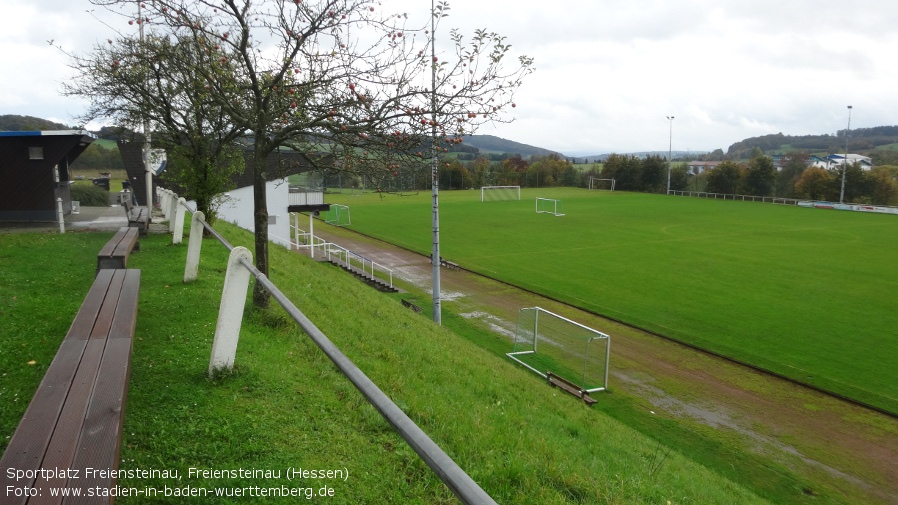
column 548, row 206
column 601, row 184
column 338, row 215
column 499, row 193
column 547, row 343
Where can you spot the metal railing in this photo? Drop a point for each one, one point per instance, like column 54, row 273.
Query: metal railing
column 227, row 331
column 301, row 239
column 728, row 196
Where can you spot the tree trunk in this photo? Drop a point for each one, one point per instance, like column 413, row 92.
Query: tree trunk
column 260, row 207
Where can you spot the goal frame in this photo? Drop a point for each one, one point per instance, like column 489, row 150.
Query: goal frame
column 556, row 204
column 593, row 180
column 484, row 190
column 336, row 212
column 517, row 355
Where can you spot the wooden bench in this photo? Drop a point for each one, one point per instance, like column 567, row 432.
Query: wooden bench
column 449, row 264
column 411, row 305
column 74, row 421
column 138, row 217
column 570, row 387
column 115, row 253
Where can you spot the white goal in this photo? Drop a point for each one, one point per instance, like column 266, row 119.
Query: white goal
column 601, row 184
column 555, row 346
column 548, row 206
column 499, row 193
column 338, row 215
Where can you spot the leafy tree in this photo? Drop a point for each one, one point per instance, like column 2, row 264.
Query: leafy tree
column 725, row 178
column 857, row 183
column 480, row 172
column 654, row 174
column 341, row 81
column 815, row 183
column 884, row 185
column 760, row 176
column 794, row 163
column 626, row 170
column 679, row 177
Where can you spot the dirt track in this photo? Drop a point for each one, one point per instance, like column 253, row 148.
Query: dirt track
column 819, row 437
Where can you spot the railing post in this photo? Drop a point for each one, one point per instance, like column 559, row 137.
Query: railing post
column 194, row 245
column 178, row 221
column 60, row 215
column 230, row 313
column 172, row 212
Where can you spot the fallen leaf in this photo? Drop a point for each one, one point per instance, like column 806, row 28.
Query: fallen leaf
column 32, row 362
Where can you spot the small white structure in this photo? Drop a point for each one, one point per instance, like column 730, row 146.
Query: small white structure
column 237, row 207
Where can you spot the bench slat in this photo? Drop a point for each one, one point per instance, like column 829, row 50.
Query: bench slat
column 60, row 452
column 101, row 436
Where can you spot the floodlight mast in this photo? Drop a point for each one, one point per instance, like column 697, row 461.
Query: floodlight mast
column 845, row 161
column 669, row 152
column 148, row 172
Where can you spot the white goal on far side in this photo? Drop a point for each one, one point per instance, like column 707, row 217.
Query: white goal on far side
column 499, row 193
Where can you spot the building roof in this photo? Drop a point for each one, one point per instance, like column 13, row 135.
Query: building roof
column 45, row 133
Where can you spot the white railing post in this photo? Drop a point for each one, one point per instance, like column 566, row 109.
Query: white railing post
column 163, row 202
column 60, row 215
column 172, row 211
column 178, row 234
column 230, row 313
column 194, row 245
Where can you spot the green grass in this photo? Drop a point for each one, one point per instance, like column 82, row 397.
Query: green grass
column 287, row 405
column 805, row 293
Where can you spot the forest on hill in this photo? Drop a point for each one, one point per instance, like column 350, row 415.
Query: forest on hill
column 861, row 140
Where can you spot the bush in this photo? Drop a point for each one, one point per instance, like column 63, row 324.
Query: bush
column 90, row 196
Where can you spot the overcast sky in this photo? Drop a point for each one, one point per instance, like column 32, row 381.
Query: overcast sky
column 608, row 72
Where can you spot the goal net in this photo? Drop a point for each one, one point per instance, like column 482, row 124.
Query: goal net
column 499, row 193
column 338, row 215
column 602, row 184
column 548, row 206
column 547, row 343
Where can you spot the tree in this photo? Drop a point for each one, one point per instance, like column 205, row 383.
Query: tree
column 815, row 183
column 480, row 172
column 794, row 163
column 884, row 185
column 654, row 174
column 725, row 178
column 349, row 86
column 626, row 170
column 760, row 176
column 679, row 177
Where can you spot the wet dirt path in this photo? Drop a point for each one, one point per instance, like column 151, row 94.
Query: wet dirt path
column 817, row 436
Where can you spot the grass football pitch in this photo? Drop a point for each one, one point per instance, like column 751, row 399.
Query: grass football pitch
column 806, row 293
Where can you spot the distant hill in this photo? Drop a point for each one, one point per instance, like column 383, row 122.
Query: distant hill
column 488, row 144
column 15, row 123
column 859, row 141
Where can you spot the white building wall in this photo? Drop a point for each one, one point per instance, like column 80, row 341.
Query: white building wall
column 237, row 208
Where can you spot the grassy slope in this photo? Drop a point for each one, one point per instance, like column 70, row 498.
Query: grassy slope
column 286, row 405
column 808, row 294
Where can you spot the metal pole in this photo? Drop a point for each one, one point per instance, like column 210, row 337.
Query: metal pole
column 845, row 161
column 669, row 152
column 434, row 172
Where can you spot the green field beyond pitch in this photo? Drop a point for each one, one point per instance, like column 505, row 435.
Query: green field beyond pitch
column 807, row 293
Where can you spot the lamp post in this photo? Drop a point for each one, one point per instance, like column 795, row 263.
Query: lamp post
column 845, row 161
column 669, row 152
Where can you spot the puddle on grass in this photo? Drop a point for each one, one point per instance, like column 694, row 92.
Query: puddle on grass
column 495, row 324
column 718, row 419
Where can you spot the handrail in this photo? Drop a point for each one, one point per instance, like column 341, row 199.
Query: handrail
column 452, row 475
column 329, row 247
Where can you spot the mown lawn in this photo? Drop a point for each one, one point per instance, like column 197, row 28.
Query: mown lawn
column 286, row 405
column 806, row 293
